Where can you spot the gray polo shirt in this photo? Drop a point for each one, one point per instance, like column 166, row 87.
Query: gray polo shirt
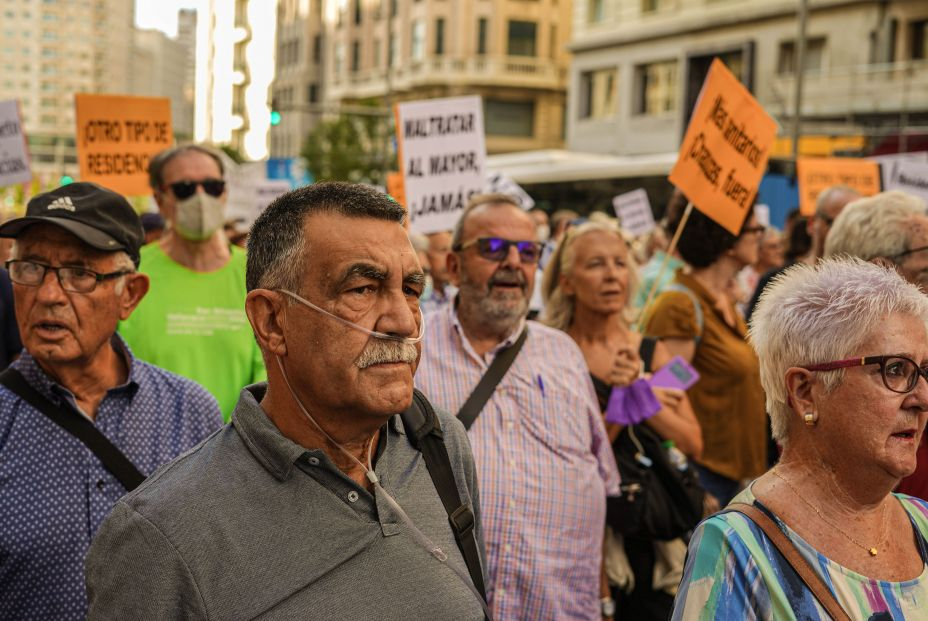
column 251, row 525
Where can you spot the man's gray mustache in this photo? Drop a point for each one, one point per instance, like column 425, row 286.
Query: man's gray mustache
column 382, row 351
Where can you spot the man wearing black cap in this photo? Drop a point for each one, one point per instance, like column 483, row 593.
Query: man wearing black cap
column 74, row 276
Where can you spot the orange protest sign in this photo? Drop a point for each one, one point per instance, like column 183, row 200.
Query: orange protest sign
column 817, row 174
column 116, row 137
column 396, row 187
column 725, row 149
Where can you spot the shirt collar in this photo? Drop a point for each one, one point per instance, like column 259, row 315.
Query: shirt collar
column 276, row 452
column 39, row 379
column 452, row 311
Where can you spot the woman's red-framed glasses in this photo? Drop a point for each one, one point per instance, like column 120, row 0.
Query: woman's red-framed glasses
column 900, row 374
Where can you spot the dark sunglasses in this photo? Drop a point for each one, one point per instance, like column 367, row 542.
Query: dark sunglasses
column 752, row 229
column 186, row 189
column 497, row 248
column 900, row 374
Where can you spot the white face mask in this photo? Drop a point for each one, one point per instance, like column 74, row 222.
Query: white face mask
column 198, row 217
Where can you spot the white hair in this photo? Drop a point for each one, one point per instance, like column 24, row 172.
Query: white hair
column 811, row 315
column 876, row 226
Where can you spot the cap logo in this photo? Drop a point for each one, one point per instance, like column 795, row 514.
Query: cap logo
column 62, row 202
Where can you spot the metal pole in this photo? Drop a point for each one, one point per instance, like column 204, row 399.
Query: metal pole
column 800, row 63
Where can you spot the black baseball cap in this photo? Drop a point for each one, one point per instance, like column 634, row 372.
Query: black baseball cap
column 98, row 217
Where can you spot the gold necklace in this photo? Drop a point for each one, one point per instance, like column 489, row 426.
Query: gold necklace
column 872, row 550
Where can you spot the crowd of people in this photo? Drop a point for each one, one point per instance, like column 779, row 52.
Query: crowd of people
column 507, row 420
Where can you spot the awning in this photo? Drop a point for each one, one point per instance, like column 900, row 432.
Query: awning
column 557, row 165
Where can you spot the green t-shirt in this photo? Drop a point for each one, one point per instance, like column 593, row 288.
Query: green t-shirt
column 194, row 324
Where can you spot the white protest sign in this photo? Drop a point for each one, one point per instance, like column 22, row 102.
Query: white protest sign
column 762, row 213
column 634, row 212
column 910, row 176
column 887, row 163
column 498, row 183
column 250, row 192
column 442, row 154
column 14, row 156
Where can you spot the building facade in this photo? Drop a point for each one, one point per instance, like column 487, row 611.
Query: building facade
column 159, row 69
column 51, row 49
column 510, row 52
column 639, row 64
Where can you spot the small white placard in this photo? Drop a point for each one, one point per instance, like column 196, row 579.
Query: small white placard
column 498, row 183
column 909, row 176
column 14, row 155
column 762, row 213
column 634, row 212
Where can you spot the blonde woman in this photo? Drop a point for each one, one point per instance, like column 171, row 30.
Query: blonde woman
column 588, row 285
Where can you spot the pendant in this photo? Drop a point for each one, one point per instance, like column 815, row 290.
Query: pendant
column 872, row 551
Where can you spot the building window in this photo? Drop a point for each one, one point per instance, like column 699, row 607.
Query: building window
column 509, row 118
column 653, row 6
column 920, row 40
column 553, row 43
column 418, row 40
column 339, row 59
column 439, row 36
column 377, row 53
column 595, row 11
column 355, row 56
column 393, row 51
column 312, row 94
column 786, row 60
column 521, row 40
column 656, row 88
column 317, row 48
column 357, row 11
column 598, row 94
column 482, row 26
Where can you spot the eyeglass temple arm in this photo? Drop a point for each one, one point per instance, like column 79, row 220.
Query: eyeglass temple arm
column 844, row 364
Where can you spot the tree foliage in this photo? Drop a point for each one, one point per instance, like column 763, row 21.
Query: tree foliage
column 350, row 147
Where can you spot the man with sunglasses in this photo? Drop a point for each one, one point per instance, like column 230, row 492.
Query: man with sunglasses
column 193, row 321
column 889, row 229
column 543, row 459
column 74, row 273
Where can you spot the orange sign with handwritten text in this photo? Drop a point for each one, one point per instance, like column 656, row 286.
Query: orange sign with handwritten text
column 117, row 135
column 816, row 174
column 725, row 150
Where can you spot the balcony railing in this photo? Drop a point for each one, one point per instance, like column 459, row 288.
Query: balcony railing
column 511, row 71
column 863, row 89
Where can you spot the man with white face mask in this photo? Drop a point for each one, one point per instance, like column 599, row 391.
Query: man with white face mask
column 314, row 503
column 193, row 322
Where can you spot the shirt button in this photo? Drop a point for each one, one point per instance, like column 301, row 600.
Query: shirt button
column 512, row 463
column 313, row 461
column 510, row 503
column 352, row 496
column 510, row 425
column 500, row 592
column 507, row 548
column 100, row 484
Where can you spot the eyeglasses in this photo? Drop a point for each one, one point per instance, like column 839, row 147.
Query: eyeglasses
column 912, row 251
column 497, row 248
column 76, row 279
column 900, row 374
column 185, row 189
column 752, row 229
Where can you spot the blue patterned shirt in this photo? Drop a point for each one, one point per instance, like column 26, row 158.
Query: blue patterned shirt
column 55, row 493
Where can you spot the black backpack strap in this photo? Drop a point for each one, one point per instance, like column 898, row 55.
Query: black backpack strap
column 646, row 352
column 425, row 433
column 79, row 427
column 490, row 380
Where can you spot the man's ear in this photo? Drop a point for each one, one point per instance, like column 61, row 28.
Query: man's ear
column 265, row 310
column 135, row 287
column 453, row 262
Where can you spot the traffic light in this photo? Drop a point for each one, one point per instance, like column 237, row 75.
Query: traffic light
column 66, row 179
column 275, row 114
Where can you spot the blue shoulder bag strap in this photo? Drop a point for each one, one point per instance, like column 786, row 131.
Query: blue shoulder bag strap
column 700, row 320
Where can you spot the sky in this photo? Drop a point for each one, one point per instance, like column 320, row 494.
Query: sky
column 162, row 14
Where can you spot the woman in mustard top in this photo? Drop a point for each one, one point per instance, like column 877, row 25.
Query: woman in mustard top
column 695, row 318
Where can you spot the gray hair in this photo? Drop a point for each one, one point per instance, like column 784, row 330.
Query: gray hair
column 811, row 315
column 158, row 162
column 276, row 242
column 478, row 200
column 559, row 307
column 835, row 193
column 876, row 226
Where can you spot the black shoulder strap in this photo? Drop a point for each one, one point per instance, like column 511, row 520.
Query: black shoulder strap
column 646, row 352
column 488, row 383
column 79, row 427
column 425, row 433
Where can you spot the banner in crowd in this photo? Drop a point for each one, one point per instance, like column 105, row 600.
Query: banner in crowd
column 499, row 183
column 634, row 212
column 442, row 153
column 887, row 161
column 116, row 137
column 762, row 213
column 910, row 176
column 725, row 150
column 817, row 174
column 250, row 191
column 14, row 152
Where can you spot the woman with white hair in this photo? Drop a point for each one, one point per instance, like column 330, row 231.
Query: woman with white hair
column 843, row 350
